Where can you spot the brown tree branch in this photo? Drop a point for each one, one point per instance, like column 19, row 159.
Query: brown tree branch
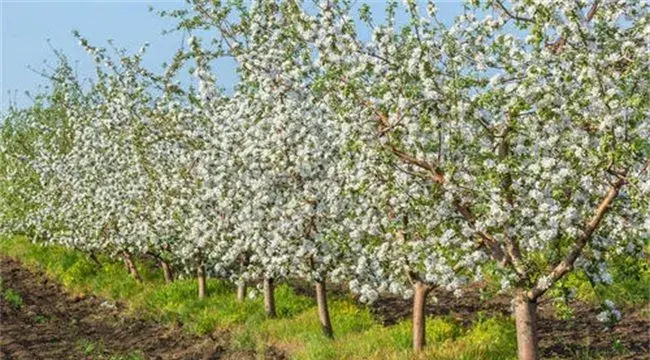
column 510, row 14
column 512, row 245
column 566, row 265
column 438, row 177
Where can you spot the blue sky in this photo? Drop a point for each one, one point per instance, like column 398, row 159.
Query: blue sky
column 28, row 24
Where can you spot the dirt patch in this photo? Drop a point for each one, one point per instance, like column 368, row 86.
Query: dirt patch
column 52, row 324
column 584, row 334
column 581, row 336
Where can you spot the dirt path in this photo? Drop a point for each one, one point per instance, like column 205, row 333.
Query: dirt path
column 50, row 324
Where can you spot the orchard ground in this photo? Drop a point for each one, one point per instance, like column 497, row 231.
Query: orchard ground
column 58, row 303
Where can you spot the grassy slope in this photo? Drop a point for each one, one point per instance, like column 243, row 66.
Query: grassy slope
column 358, row 335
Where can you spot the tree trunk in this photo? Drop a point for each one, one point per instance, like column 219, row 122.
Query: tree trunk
column 201, row 277
column 126, row 263
column 167, row 271
column 323, row 311
column 420, row 292
column 135, row 272
column 526, row 320
column 269, row 297
column 93, row 257
column 241, row 291
column 130, row 266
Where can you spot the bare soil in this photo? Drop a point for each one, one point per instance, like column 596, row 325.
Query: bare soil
column 53, row 324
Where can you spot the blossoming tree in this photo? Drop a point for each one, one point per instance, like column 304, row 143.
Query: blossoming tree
column 516, row 135
column 538, row 137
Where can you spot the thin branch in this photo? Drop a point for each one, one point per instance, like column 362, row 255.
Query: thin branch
column 512, row 15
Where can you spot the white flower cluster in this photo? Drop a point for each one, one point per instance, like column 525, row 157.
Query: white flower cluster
column 610, row 315
column 417, row 155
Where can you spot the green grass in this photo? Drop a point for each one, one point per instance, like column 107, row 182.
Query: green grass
column 625, row 290
column 95, row 350
column 296, row 330
column 13, row 298
column 10, row 296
